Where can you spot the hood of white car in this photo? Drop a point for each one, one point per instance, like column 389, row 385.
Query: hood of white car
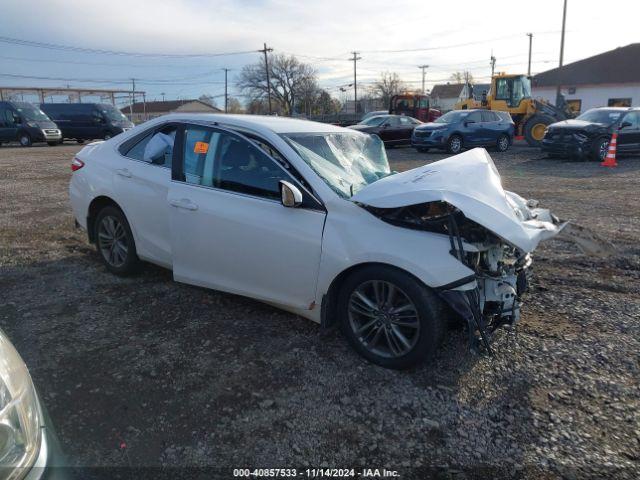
column 470, row 182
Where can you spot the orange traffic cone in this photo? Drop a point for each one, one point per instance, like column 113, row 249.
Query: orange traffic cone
column 610, row 159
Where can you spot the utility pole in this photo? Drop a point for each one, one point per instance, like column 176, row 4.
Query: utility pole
column 355, row 82
column 493, row 64
column 564, row 23
column 162, row 96
column 133, row 95
column 423, row 67
column 530, row 35
column 266, row 66
column 226, row 96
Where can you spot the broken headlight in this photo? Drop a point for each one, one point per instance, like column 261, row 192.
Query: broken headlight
column 20, row 417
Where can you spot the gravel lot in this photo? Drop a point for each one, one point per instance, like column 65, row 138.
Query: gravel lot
column 189, row 377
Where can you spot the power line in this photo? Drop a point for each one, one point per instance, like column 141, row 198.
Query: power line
column 70, row 48
column 443, row 47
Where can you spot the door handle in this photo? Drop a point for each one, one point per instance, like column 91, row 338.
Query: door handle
column 123, row 172
column 184, row 203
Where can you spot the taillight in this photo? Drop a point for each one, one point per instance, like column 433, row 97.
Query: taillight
column 76, row 164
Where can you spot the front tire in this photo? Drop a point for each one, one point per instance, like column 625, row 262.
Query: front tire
column 454, row 145
column 600, row 149
column 389, row 317
column 533, row 130
column 25, row 140
column 114, row 241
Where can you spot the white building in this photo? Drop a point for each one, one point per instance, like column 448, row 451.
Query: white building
column 606, row 80
column 142, row 111
column 445, row 96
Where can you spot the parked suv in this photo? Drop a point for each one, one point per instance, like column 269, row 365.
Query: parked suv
column 309, row 217
column 26, row 124
column 588, row 135
column 87, row 121
column 461, row 129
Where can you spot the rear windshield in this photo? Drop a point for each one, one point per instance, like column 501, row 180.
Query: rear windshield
column 606, row 117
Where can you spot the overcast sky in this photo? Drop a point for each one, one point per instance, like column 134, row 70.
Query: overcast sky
column 322, row 33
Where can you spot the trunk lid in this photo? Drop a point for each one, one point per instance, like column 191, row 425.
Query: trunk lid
column 470, row 182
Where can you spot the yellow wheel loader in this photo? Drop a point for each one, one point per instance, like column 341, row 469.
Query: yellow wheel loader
column 512, row 93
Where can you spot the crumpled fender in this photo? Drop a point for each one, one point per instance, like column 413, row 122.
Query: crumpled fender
column 470, row 182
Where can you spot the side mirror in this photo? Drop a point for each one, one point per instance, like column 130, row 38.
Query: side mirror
column 625, row 124
column 469, row 122
column 17, row 120
column 290, row 195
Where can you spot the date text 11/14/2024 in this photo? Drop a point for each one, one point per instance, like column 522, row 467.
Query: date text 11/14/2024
column 316, row 473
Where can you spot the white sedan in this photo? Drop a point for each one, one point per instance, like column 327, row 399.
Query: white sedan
column 310, row 218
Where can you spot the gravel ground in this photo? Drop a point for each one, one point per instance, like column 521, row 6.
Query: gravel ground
column 188, row 377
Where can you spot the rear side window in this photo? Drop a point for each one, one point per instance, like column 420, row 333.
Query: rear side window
column 488, row 116
column 156, row 147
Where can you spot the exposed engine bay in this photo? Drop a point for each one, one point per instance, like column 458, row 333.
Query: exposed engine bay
column 491, row 231
column 490, row 300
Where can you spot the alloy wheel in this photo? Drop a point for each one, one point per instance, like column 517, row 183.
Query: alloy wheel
column 604, row 149
column 456, row 144
column 383, row 318
column 503, row 143
column 25, row 141
column 112, row 239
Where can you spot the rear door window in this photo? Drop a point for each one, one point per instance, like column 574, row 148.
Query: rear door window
column 488, row 116
column 156, row 147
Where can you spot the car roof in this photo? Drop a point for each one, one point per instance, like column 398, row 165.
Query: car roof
column 263, row 122
column 618, row 109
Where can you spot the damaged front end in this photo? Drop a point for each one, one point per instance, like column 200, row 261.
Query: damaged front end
column 491, row 231
column 491, row 298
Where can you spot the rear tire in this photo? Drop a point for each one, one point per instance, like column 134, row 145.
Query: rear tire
column 454, row 144
column 502, row 145
column 114, row 241
column 25, row 140
column 394, row 330
column 534, row 128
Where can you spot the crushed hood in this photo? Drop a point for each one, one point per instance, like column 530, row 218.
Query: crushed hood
column 470, row 182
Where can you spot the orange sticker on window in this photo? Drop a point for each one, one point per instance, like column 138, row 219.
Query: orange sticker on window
column 201, row 147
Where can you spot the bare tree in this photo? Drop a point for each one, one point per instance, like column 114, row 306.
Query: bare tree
column 289, row 79
column 234, row 105
column 462, row 77
column 208, row 99
column 388, row 85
